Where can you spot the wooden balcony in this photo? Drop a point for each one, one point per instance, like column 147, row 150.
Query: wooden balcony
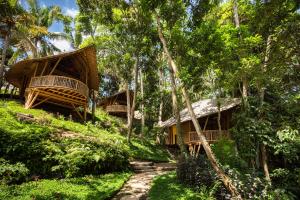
column 116, row 109
column 211, row 135
column 60, row 82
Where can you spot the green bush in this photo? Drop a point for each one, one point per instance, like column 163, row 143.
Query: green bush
column 77, row 157
column 12, row 173
column 55, row 147
column 226, row 153
column 84, row 188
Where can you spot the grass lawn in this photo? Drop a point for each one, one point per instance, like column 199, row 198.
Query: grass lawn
column 166, row 187
column 88, row 187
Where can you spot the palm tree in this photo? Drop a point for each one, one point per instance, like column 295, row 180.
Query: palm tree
column 11, row 14
column 39, row 36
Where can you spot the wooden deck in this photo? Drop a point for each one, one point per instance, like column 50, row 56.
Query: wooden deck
column 59, row 90
column 116, row 109
column 60, row 82
column 211, row 137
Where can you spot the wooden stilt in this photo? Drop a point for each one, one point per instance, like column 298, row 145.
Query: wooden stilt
column 77, row 112
column 198, row 150
column 28, row 99
column 33, row 100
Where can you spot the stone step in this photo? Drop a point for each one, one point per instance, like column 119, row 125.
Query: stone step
column 165, row 168
column 137, row 163
column 136, row 167
column 144, row 170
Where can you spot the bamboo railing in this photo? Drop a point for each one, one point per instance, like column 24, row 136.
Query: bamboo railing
column 116, row 108
column 211, row 135
column 60, row 82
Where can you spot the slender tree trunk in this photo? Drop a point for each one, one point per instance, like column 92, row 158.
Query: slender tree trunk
column 219, row 116
column 142, row 104
column 225, row 179
column 134, row 99
column 245, row 89
column 237, row 25
column 176, row 113
column 161, row 103
column 128, row 99
column 236, row 14
column 262, row 96
column 3, row 58
column 12, row 92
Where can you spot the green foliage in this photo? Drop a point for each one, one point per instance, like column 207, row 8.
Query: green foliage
column 225, row 151
column 54, row 147
column 12, row 173
column 88, row 187
column 288, row 144
column 167, row 187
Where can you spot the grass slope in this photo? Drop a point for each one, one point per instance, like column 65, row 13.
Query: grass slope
column 108, row 135
column 167, row 187
column 88, row 187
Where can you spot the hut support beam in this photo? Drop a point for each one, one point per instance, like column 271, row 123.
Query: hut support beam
column 44, row 68
column 78, row 113
column 39, row 102
column 57, row 62
column 31, row 100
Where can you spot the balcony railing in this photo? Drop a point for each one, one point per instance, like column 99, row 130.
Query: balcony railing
column 60, row 82
column 116, row 108
column 211, row 135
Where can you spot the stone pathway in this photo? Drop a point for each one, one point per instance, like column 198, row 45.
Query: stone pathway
column 138, row 186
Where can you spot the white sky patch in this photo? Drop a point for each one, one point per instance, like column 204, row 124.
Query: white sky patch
column 72, row 12
column 62, row 44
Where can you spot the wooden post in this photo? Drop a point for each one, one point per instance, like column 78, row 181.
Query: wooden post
column 46, row 63
column 36, row 66
column 57, row 62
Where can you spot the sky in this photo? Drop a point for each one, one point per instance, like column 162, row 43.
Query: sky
column 69, row 7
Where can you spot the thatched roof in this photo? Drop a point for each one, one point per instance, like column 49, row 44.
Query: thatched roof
column 86, row 56
column 120, row 95
column 204, row 108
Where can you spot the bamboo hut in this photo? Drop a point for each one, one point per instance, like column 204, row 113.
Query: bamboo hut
column 67, row 79
column 116, row 104
column 206, row 112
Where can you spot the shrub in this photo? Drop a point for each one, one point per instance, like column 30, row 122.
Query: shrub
column 195, row 172
column 12, row 173
column 225, row 151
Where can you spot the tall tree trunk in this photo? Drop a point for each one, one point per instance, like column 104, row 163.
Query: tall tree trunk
column 176, row 113
column 3, row 58
column 225, row 179
column 128, row 99
column 236, row 14
column 245, row 89
column 219, row 115
column 142, row 104
column 261, row 90
column 237, row 25
column 133, row 99
column 161, row 103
